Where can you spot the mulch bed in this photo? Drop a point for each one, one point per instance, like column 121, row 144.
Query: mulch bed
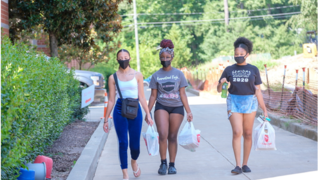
column 66, row 150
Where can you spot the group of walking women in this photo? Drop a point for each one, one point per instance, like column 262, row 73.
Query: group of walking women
column 168, row 94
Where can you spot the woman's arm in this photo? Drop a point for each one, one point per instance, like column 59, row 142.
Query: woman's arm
column 142, row 98
column 152, row 99
column 260, row 100
column 111, row 101
column 185, row 103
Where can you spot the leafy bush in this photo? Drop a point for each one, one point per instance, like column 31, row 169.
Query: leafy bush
column 38, row 99
column 104, row 69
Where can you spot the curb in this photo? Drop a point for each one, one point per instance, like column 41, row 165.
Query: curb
column 283, row 123
column 291, row 126
column 192, row 91
column 87, row 163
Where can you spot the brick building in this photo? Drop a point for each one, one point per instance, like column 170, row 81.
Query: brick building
column 4, row 17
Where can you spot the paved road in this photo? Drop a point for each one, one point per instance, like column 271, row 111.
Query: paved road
column 214, row 158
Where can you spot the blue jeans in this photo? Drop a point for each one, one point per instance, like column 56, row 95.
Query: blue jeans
column 122, row 126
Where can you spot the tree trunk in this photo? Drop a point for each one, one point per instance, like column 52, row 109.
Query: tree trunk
column 53, row 45
column 226, row 12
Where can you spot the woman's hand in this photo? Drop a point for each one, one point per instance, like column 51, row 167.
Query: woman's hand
column 189, row 117
column 265, row 114
column 106, row 127
column 223, row 80
column 148, row 120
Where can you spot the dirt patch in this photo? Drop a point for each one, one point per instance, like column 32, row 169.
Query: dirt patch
column 275, row 74
column 66, row 150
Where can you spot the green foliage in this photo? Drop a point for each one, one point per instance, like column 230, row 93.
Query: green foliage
column 67, row 22
column 206, row 40
column 97, row 53
column 182, row 54
column 38, row 98
column 309, row 15
column 260, row 64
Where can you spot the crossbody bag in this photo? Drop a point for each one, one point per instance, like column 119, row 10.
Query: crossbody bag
column 130, row 106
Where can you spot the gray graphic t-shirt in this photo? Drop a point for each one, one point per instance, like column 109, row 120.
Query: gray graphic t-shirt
column 168, row 84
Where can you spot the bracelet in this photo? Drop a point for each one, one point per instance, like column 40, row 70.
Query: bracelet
column 106, row 122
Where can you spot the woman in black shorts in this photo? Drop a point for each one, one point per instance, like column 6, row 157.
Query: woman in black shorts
column 168, row 88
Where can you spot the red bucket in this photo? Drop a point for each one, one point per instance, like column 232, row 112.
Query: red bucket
column 49, row 163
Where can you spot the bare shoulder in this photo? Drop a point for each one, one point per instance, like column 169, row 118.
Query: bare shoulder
column 139, row 75
column 111, row 78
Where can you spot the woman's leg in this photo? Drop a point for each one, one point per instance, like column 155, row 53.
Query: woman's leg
column 121, row 127
column 134, row 127
column 248, row 120
column 236, row 120
column 174, row 125
column 162, row 121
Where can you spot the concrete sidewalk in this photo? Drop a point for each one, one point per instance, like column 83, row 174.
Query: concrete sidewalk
column 214, row 158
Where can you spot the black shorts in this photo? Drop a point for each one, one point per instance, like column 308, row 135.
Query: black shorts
column 178, row 110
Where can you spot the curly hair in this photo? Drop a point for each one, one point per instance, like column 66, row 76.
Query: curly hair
column 243, row 43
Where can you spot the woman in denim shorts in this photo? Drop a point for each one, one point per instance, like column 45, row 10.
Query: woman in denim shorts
column 242, row 101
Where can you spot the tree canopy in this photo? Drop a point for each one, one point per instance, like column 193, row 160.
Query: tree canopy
column 198, row 28
column 67, row 22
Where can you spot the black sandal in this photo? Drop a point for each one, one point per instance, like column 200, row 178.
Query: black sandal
column 236, row 170
column 163, row 169
column 172, row 170
column 246, row 169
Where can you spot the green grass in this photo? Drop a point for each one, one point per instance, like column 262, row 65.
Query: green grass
column 260, row 64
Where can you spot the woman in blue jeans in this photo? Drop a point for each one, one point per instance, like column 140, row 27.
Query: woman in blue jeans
column 131, row 86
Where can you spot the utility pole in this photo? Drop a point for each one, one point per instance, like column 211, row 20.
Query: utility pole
column 226, row 12
column 136, row 34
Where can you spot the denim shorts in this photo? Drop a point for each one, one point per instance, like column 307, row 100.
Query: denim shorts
column 241, row 104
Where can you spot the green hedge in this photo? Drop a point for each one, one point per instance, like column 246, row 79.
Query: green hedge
column 38, row 99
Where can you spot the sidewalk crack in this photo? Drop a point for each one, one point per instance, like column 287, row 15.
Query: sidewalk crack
column 222, row 155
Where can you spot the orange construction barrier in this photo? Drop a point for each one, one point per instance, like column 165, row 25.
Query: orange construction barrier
column 105, row 105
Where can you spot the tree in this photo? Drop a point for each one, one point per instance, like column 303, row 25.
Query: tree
column 98, row 53
column 180, row 39
column 308, row 17
column 67, row 22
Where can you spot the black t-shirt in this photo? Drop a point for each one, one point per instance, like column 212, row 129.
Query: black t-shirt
column 242, row 79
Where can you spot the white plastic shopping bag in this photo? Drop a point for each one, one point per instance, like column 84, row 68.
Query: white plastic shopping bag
column 189, row 138
column 151, row 138
column 264, row 137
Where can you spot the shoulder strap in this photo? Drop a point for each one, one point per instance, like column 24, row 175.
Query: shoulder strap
column 116, row 81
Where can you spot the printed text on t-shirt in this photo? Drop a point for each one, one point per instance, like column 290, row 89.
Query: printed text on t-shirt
column 240, row 75
column 168, row 77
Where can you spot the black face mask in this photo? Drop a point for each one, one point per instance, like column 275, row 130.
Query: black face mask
column 240, row 59
column 165, row 63
column 124, row 63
